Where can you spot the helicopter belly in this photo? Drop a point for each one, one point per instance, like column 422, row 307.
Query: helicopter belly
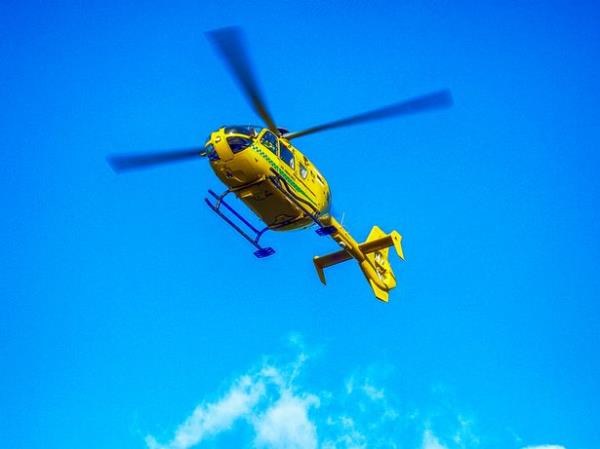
column 273, row 207
column 253, row 174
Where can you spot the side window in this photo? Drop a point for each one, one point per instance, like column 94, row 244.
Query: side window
column 270, row 141
column 287, row 155
column 303, row 171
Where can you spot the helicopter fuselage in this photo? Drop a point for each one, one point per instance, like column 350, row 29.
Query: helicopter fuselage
column 272, row 177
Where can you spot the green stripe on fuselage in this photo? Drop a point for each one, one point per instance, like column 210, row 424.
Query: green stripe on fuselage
column 283, row 174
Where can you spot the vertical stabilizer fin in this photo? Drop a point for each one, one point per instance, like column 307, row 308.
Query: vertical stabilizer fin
column 380, row 294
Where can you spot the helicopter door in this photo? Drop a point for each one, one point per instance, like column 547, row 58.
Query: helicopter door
column 287, row 156
column 270, row 141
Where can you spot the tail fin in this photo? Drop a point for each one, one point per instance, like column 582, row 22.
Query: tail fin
column 376, row 249
column 372, row 257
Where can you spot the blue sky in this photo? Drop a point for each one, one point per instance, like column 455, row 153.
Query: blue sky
column 132, row 316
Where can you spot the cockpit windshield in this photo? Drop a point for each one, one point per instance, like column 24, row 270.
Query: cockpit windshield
column 238, row 144
column 250, row 131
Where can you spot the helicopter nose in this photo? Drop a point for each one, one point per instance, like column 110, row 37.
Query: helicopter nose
column 222, row 150
column 210, row 152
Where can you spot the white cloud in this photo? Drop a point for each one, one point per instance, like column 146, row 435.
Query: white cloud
column 212, row 418
column 349, row 385
column 281, row 413
column 545, row 446
column 265, row 399
column 372, row 392
column 464, row 436
column 286, row 424
column 347, row 436
column 430, row 441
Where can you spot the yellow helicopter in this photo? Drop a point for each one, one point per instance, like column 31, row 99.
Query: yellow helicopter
column 262, row 168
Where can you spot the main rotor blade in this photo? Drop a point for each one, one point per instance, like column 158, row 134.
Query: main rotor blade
column 135, row 161
column 435, row 100
column 229, row 43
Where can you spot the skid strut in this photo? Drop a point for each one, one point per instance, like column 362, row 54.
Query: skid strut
column 261, row 251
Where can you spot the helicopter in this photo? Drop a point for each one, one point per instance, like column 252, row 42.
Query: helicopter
column 266, row 171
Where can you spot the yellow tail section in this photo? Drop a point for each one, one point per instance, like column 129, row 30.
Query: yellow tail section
column 371, row 255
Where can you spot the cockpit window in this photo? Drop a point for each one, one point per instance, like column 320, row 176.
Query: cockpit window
column 250, row 131
column 210, row 152
column 270, row 141
column 287, row 155
column 303, row 171
column 238, row 144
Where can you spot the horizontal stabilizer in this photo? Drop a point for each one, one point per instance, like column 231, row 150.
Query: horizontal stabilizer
column 329, row 260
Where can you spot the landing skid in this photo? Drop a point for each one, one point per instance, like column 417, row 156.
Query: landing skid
column 250, row 232
column 261, row 251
